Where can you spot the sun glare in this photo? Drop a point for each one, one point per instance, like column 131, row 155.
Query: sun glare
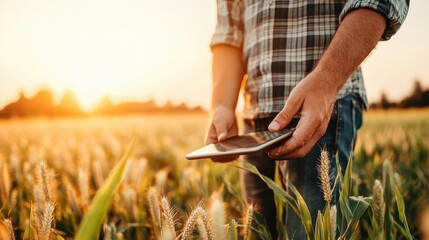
column 129, row 50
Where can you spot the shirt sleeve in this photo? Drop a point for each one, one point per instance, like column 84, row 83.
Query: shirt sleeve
column 229, row 28
column 394, row 11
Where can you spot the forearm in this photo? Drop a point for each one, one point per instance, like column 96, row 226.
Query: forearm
column 227, row 70
column 314, row 97
column 356, row 37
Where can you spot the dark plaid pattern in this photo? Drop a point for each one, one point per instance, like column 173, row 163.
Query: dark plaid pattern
column 282, row 40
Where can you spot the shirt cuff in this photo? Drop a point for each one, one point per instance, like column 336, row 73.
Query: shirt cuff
column 394, row 13
column 232, row 38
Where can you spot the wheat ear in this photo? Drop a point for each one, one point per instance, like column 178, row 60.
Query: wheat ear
column 378, row 202
column 217, row 214
column 154, row 209
column 248, row 222
column 168, row 216
column 323, row 169
column 192, row 220
column 9, row 227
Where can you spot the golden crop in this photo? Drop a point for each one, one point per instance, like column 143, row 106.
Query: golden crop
column 51, row 169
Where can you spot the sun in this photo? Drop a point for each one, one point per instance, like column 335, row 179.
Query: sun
column 95, row 67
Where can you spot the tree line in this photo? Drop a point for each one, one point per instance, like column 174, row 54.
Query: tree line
column 42, row 104
column 417, row 98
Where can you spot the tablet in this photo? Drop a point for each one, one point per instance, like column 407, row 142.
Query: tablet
column 242, row 144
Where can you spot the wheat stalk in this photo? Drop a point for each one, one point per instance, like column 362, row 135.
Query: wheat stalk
column 45, row 182
column 139, row 170
column 44, row 222
column 154, row 209
column 248, row 222
column 97, row 172
column 166, row 234
column 9, row 227
column 168, row 216
column 333, row 218
column 72, row 198
column 161, row 178
column 5, row 190
column 217, row 213
column 202, row 229
column 323, row 168
column 83, row 186
column 192, row 220
column 377, row 203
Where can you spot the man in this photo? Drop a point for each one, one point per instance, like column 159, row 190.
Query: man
column 297, row 58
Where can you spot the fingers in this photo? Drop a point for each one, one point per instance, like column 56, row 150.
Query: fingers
column 306, row 135
column 292, row 106
column 211, row 136
column 221, row 129
column 223, row 125
column 217, row 132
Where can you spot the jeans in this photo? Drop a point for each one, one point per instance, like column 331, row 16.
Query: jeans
column 339, row 140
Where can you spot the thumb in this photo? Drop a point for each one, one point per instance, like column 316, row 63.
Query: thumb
column 284, row 117
column 221, row 130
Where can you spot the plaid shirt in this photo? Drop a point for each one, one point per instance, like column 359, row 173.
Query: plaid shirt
column 282, row 40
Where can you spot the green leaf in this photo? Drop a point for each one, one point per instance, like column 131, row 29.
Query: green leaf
column 281, row 227
column 261, row 227
column 319, row 232
column 278, row 190
column 358, row 206
column 327, row 221
column 304, row 212
column 90, row 226
column 344, row 212
column 375, row 231
column 347, row 180
column 388, row 219
column 298, row 206
column 401, row 210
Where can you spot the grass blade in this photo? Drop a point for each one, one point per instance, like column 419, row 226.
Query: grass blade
column 278, row 191
column 304, row 212
column 387, row 185
column 93, row 219
column 298, row 206
column 401, row 210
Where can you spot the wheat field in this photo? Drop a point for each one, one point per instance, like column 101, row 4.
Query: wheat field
column 56, row 179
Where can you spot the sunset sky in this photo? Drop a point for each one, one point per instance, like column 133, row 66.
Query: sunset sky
column 138, row 50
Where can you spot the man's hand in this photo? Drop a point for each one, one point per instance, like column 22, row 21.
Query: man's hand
column 227, row 76
column 313, row 99
column 223, row 125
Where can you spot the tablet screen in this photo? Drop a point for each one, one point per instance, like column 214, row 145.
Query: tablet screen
column 242, row 144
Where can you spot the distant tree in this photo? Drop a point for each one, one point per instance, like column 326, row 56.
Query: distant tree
column 69, row 105
column 104, row 106
column 42, row 103
column 384, row 101
column 419, row 96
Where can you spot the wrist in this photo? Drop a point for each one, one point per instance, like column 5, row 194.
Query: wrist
column 332, row 79
column 222, row 106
